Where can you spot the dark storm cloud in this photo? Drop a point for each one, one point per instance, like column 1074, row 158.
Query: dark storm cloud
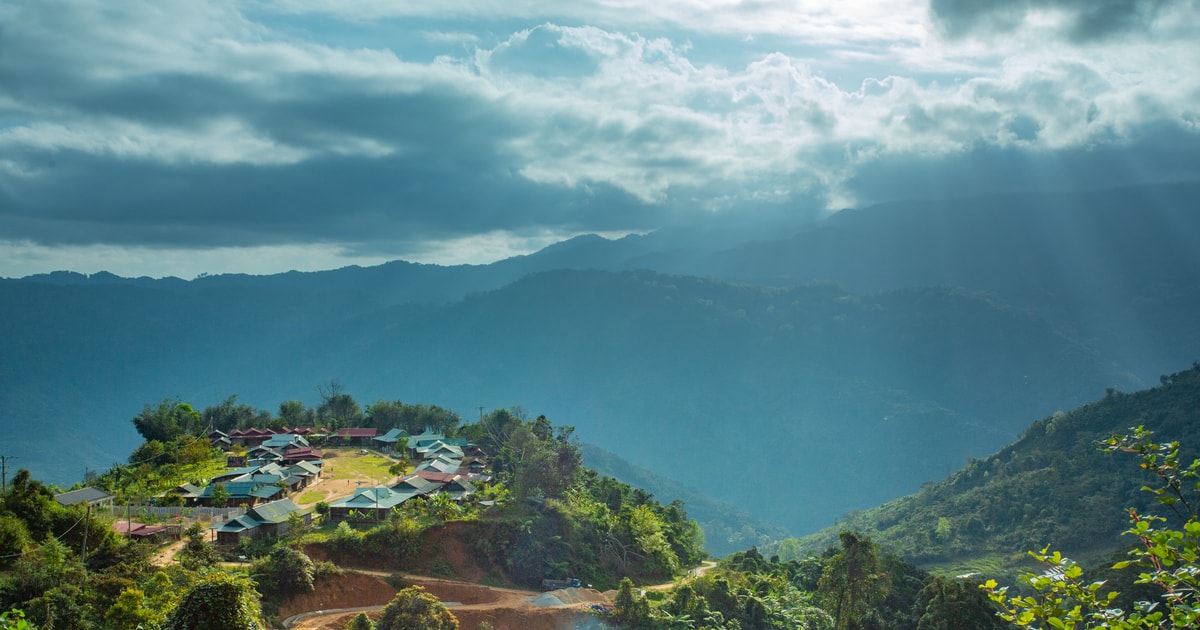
column 333, row 199
column 1086, row 20
column 350, row 158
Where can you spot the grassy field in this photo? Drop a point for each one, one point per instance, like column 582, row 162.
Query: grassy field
column 349, row 463
column 312, row 496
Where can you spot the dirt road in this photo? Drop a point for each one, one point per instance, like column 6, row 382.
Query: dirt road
column 339, row 600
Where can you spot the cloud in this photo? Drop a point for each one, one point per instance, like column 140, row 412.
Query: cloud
column 226, row 125
column 1079, row 20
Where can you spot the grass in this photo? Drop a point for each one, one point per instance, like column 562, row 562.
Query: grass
column 312, row 496
column 348, row 463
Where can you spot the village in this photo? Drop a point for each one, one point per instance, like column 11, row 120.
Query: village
column 274, row 478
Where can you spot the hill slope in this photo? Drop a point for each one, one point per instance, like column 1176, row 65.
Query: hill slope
column 1050, row 487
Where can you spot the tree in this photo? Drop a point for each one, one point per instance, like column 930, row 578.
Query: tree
column 294, row 413
column 220, row 496
column 852, row 584
column 415, row 609
column 360, row 622
column 217, row 602
column 14, row 538
column 950, row 604
column 338, row 409
column 196, row 551
column 167, row 420
column 284, row 572
column 630, row 610
column 1168, row 558
column 230, row 415
column 130, row 611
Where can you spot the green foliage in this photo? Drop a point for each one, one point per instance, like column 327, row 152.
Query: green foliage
column 284, row 573
column 230, row 415
column 14, row 538
column 386, row 415
column 952, row 604
column 415, row 609
column 217, row 602
column 197, row 552
column 852, row 583
column 1168, row 558
column 167, row 420
column 131, row 611
column 13, row 620
column 220, row 496
column 360, row 622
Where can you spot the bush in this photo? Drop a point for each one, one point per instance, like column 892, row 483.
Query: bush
column 415, row 609
column 284, row 573
column 360, row 622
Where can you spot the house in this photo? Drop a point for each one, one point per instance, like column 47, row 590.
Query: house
column 307, row 471
column 86, row 496
column 459, row 488
column 360, row 436
column 435, row 476
column 375, row 502
column 263, row 454
column 416, row 485
column 387, row 442
column 282, row 441
column 301, row 454
column 139, row 531
column 241, row 493
column 268, row 519
column 190, row 492
column 251, row 436
column 440, row 464
column 235, row 474
column 218, row 439
column 439, row 448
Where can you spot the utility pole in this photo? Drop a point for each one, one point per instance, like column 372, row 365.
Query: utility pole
column 4, row 472
column 87, row 521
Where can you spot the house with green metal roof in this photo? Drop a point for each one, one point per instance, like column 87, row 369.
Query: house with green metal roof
column 387, row 442
column 243, row 493
column 440, row 464
column 438, row 449
column 375, row 502
column 268, row 519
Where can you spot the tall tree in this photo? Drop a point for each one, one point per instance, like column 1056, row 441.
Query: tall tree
column 852, row 584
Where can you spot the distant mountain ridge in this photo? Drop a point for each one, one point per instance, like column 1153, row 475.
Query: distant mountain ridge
column 745, row 392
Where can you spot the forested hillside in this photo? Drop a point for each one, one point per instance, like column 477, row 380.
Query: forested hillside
column 1053, row 486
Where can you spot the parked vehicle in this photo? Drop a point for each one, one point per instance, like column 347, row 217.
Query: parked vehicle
column 554, row 585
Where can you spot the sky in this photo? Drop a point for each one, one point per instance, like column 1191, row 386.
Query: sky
column 179, row 138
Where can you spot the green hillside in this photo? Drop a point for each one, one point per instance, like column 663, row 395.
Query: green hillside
column 1050, row 487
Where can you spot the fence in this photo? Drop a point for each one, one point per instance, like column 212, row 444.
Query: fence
column 166, row 513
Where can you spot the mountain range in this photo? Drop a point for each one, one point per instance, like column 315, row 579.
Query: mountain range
column 795, row 373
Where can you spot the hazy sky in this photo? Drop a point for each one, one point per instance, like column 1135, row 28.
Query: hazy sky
column 174, row 138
